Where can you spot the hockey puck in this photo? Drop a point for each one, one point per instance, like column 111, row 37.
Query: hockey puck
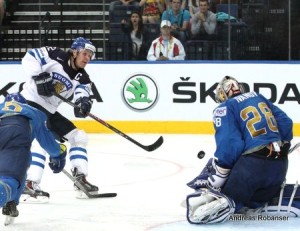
column 201, row 154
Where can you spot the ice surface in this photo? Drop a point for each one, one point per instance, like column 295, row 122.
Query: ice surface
column 150, row 187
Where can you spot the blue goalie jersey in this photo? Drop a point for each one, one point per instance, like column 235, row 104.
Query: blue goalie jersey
column 247, row 121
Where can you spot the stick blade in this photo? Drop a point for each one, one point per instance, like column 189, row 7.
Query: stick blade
column 155, row 145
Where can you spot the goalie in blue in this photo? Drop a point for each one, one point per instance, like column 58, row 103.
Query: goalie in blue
column 250, row 162
column 19, row 125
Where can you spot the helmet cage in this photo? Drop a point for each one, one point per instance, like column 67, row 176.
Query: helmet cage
column 228, row 87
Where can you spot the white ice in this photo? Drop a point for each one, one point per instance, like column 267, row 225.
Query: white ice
column 150, row 187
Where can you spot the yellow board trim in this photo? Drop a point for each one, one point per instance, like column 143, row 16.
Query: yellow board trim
column 171, row 127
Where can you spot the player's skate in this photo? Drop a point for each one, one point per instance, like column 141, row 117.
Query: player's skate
column 10, row 211
column 80, row 178
column 32, row 193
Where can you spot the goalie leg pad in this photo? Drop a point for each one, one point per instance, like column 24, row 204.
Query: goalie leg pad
column 287, row 204
column 208, row 206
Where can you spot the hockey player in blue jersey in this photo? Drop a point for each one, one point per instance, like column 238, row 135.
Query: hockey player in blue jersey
column 250, row 162
column 19, row 125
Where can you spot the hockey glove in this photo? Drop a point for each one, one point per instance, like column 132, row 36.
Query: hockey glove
column 284, row 148
column 44, row 84
column 218, row 176
column 58, row 163
column 201, row 180
column 83, row 106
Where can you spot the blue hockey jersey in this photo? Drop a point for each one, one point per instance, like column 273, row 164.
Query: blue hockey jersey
column 37, row 122
column 247, row 121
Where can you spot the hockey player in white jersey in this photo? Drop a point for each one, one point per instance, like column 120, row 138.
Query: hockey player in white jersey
column 50, row 69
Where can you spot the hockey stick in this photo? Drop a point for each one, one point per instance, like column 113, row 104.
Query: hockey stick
column 297, row 145
column 148, row 148
column 81, row 187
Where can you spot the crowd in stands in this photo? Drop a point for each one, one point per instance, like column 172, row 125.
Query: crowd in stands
column 201, row 27
column 6, row 7
column 188, row 20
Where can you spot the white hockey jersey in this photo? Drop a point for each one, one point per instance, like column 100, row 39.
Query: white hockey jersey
column 67, row 82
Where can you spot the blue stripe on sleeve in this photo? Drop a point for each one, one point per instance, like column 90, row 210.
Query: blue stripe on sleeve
column 43, row 62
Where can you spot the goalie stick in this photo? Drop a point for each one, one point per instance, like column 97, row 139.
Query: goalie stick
column 297, row 145
column 81, row 187
column 148, row 148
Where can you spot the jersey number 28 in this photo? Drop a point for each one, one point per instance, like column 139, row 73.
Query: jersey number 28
column 258, row 113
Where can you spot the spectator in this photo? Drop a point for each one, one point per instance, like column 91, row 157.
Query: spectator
column 183, row 4
column 166, row 47
column 204, row 23
column 152, row 10
column 7, row 7
column 168, row 4
column 118, row 3
column 194, row 7
column 137, row 34
column 179, row 19
column 2, row 10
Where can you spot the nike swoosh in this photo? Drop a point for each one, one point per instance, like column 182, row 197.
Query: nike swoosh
column 58, row 58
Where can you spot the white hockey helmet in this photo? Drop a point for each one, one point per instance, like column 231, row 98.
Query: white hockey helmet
column 227, row 88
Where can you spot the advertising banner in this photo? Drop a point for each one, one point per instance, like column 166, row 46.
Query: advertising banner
column 170, row 97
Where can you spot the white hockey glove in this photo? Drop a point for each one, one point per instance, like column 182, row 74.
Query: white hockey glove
column 218, row 176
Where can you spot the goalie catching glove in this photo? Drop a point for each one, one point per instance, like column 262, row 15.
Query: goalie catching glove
column 44, row 84
column 83, row 106
column 212, row 176
column 58, row 163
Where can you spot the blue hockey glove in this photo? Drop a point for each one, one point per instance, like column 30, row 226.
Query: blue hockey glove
column 201, row 180
column 58, row 163
column 44, row 84
column 211, row 176
column 84, row 105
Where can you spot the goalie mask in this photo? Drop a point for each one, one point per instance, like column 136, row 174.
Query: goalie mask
column 81, row 43
column 228, row 87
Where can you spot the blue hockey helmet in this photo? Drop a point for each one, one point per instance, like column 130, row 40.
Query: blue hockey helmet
column 15, row 97
column 81, row 43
